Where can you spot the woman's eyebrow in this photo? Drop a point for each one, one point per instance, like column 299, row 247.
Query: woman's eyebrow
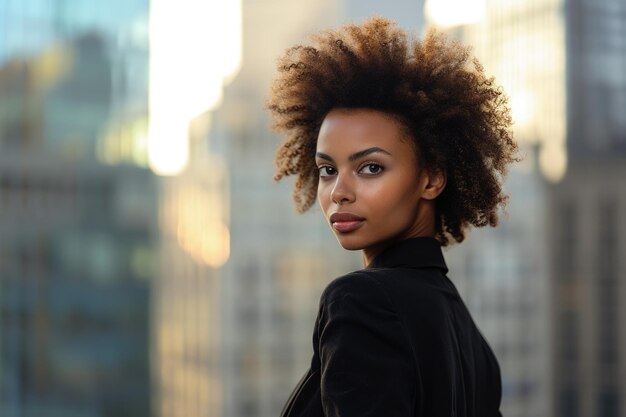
column 365, row 152
column 324, row 156
column 356, row 155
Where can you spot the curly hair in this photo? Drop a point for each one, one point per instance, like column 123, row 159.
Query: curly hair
column 458, row 118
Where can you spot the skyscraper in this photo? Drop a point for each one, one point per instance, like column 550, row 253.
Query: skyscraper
column 194, row 46
column 562, row 63
column 504, row 272
column 280, row 261
column 589, row 212
column 75, row 233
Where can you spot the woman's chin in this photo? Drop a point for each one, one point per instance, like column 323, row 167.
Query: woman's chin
column 349, row 244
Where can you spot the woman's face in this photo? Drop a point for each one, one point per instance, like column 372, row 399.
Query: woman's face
column 371, row 189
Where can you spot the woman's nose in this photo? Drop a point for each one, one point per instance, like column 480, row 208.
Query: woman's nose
column 342, row 191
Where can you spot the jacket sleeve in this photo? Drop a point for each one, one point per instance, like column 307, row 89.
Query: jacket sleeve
column 366, row 360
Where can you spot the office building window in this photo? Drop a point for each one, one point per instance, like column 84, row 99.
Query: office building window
column 567, row 235
column 568, row 401
column 608, row 402
column 569, row 342
column 607, row 289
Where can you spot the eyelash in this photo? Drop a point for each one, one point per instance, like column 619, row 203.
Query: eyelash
column 366, row 164
column 321, row 167
column 372, row 163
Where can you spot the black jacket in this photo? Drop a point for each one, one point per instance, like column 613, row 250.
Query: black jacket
column 396, row 340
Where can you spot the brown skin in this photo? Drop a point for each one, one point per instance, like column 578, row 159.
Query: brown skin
column 386, row 187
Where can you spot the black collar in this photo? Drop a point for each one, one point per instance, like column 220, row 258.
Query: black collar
column 416, row 252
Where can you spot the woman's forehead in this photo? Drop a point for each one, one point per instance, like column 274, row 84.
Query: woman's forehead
column 348, row 131
column 364, row 124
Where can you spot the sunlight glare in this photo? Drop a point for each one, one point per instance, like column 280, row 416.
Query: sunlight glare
column 553, row 161
column 195, row 47
column 522, row 107
column 450, row 13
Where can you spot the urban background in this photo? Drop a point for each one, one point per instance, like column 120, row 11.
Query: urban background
column 149, row 266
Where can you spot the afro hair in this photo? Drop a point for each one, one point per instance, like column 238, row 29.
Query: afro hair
column 458, row 118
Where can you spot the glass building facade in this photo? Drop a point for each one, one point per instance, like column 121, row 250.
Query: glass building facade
column 596, row 77
column 562, row 64
column 76, row 233
column 280, row 260
column 505, row 271
column 589, row 279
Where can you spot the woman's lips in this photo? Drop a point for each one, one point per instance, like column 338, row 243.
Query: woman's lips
column 347, row 226
column 346, row 222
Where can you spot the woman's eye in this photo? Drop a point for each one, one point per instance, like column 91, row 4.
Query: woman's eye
column 371, row 169
column 326, row 171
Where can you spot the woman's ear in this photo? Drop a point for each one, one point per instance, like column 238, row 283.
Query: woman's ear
column 435, row 185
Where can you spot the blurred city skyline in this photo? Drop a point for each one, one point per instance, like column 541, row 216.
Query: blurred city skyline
column 149, row 265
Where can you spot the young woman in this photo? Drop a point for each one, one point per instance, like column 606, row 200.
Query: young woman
column 405, row 144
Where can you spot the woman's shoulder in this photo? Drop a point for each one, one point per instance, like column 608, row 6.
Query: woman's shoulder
column 361, row 285
column 380, row 283
column 397, row 288
column 357, row 297
column 356, row 281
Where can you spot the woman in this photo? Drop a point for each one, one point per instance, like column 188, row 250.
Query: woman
column 405, row 145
